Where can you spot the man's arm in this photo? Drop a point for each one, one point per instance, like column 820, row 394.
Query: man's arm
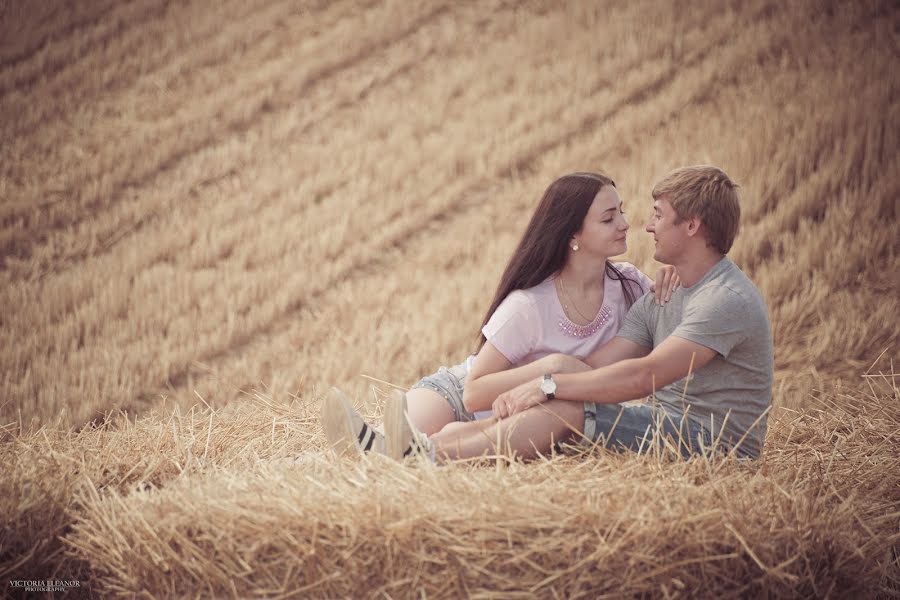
column 611, row 352
column 672, row 360
column 625, row 380
column 615, row 350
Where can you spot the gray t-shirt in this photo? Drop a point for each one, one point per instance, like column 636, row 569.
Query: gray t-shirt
column 724, row 312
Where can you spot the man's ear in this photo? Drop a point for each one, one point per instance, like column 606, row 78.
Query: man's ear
column 693, row 225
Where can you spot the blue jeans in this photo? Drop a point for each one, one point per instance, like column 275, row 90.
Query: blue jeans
column 638, row 427
column 449, row 383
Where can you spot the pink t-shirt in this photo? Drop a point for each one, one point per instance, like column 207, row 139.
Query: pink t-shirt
column 530, row 324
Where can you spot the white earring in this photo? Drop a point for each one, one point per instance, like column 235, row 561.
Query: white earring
column 575, row 247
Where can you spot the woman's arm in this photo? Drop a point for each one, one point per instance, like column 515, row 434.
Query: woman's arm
column 491, row 375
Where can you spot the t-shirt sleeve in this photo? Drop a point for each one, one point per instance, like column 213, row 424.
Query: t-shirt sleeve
column 636, row 327
column 515, row 327
column 716, row 319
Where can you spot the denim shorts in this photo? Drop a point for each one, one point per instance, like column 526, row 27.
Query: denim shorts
column 638, row 427
column 449, row 383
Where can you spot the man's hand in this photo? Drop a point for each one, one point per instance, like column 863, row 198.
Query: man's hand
column 519, row 398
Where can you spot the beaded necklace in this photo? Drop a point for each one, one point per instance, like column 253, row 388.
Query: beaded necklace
column 573, row 329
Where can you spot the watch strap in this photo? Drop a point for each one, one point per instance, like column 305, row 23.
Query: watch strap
column 549, row 395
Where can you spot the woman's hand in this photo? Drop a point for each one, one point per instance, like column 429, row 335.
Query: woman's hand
column 666, row 282
column 519, row 398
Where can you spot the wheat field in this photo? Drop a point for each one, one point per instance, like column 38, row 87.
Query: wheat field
column 209, row 213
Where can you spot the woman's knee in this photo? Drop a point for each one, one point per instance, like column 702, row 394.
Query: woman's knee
column 571, row 413
column 455, row 428
column 428, row 410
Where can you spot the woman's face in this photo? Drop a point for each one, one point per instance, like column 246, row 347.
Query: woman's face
column 604, row 227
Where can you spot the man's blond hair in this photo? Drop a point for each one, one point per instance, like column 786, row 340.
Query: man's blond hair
column 705, row 192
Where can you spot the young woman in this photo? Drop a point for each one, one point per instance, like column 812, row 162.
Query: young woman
column 559, row 299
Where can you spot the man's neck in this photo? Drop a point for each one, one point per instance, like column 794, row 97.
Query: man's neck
column 692, row 269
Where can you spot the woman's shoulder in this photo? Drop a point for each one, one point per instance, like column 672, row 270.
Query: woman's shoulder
column 530, row 301
column 519, row 304
column 538, row 294
column 632, row 273
column 519, row 299
column 626, row 268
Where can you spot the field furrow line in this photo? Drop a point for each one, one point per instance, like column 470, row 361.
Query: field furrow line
column 131, row 111
column 400, row 234
column 269, row 350
column 29, row 203
column 164, row 109
column 114, row 232
column 28, row 79
column 413, row 225
column 228, row 239
column 635, row 97
column 822, row 287
column 158, row 253
column 843, row 141
column 99, row 69
column 794, row 169
column 853, row 147
column 266, row 198
column 103, row 90
column 110, row 239
column 87, row 21
column 235, row 124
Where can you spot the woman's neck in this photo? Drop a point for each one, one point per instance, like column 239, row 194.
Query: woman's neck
column 583, row 274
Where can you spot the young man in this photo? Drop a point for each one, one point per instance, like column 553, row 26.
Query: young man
column 705, row 357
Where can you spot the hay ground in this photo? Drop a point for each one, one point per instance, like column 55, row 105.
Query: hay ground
column 209, row 215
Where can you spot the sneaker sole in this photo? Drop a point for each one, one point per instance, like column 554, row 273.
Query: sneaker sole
column 396, row 430
column 337, row 424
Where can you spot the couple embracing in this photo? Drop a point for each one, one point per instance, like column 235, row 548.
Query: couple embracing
column 570, row 336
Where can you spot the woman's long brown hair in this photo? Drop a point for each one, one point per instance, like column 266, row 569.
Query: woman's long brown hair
column 543, row 248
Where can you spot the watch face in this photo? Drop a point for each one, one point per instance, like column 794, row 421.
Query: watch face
column 548, row 386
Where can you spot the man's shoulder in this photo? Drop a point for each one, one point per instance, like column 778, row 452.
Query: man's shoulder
column 731, row 288
column 731, row 285
column 644, row 305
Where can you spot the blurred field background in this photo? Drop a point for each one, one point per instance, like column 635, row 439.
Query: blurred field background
column 232, row 207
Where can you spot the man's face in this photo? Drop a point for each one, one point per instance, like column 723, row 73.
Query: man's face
column 669, row 238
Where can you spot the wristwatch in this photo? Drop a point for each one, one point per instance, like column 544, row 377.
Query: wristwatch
column 548, row 386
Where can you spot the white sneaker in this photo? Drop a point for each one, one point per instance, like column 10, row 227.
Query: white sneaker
column 346, row 431
column 401, row 437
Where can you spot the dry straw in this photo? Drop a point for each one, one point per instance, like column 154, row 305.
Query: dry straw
column 178, row 219
column 244, row 502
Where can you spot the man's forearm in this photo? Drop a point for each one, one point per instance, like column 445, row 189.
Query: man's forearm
column 569, row 364
column 619, row 382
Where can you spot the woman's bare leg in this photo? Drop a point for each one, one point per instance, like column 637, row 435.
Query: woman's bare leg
column 464, row 428
column 524, row 434
column 428, row 411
